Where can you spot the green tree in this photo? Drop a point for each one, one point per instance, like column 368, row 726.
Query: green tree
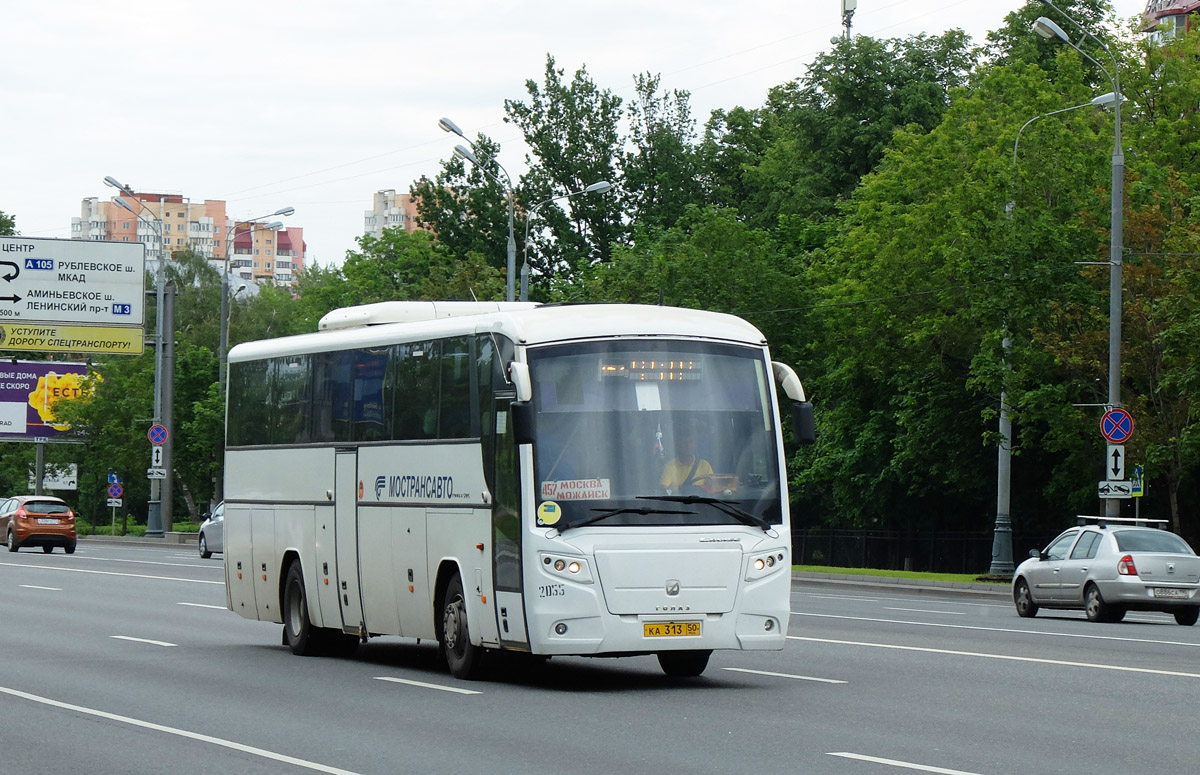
column 8, row 225
column 660, row 175
column 466, row 206
column 574, row 141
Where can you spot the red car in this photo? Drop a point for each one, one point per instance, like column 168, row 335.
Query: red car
column 37, row 520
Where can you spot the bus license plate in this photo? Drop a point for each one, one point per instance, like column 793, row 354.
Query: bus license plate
column 670, row 629
column 1169, row 592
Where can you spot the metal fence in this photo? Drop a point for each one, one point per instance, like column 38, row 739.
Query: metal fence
column 925, row 551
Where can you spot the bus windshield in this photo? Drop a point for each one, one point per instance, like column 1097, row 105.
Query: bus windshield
column 654, row 432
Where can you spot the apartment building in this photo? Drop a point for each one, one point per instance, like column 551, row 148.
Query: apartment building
column 390, row 211
column 165, row 223
column 168, row 223
column 1178, row 15
column 267, row 256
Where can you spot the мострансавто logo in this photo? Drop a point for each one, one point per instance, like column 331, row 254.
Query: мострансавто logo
column 409, row 487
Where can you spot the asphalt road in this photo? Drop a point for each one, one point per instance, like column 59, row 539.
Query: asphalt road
column 123, row 660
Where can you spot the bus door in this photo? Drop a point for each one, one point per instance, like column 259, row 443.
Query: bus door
column 345, row 518
column 506, row 530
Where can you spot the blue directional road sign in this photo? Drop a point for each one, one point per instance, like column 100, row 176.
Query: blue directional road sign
column 1117, row 425
column 157, row 434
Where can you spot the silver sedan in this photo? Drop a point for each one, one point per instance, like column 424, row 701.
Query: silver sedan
column 1108, row 569
column 212, row 532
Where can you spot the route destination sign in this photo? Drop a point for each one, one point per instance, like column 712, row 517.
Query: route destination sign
column 71, row 281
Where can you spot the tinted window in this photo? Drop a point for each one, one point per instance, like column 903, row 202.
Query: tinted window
column 415, row 403
column 456, row 389
column 46, row 507
column 1151, row 541
column 1086, row 548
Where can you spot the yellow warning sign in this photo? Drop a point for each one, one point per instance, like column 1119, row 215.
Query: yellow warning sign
column 71, row 339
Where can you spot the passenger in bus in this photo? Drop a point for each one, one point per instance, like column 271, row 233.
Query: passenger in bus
column 687, row 471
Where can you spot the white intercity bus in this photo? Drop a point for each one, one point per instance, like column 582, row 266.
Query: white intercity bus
column 598, row 480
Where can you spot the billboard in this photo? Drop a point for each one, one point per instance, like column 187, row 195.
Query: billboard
column 28, row 392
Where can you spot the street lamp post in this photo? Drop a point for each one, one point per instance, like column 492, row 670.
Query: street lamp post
column 1002, row 556
column 1048, row 29
column 449, row 126
column 223, row 363
column 154, row 523
column 596, row 188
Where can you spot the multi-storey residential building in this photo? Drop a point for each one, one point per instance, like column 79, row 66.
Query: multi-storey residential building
column 1176, row 14
column 391, row 210
column 263, row 255
column 168, row 223
column 165, row 223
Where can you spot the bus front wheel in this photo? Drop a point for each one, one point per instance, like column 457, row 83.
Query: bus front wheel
column 464, row 659
column 683, row 664
column 299, row 634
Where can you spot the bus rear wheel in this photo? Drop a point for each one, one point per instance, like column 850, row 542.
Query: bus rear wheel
column 464, row 659
column 298, row 632
column 683, row 664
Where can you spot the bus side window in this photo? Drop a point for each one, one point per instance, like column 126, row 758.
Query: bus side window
column 455, row 403
column 248, row 401
column 414, row 399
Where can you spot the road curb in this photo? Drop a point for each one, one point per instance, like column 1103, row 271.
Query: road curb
column 909, row 585
column 168, row 539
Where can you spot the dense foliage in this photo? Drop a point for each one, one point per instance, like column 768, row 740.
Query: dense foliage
column 888, row 219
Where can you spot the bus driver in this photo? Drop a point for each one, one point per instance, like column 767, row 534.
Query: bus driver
column 686, row 470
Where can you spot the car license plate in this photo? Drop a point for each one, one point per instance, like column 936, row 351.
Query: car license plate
column 45, row 521
column 1169, row 592
column 670, row 629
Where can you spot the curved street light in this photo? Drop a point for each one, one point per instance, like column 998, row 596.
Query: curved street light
column 447, row 125
column 232, row 234
column 601, row 187
column 1048, row 29
column 162, row 386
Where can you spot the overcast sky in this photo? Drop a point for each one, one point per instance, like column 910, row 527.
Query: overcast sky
column 319, row 104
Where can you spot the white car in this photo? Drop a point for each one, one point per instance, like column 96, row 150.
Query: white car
column 1108, row 569
column 212, row 532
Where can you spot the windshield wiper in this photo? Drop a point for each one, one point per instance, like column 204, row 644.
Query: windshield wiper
column 740, row 514
column 644, row 510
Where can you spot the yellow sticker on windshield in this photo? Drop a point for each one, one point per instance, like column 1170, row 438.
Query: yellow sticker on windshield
column 548, row 513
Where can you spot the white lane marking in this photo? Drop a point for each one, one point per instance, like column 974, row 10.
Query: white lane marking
column 926, row 611
column 1004, row 657
column 424, row 685
column 144, row 640
column 151, row 562
column 35, row 586
column 783, row 675
column 842, row 597
column 109, row 573
column 179, row 733
column 202, row 605
column 1001, row 629
column 906, row 765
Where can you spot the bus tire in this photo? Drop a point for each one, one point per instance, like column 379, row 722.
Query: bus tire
column 298, row 632
column 464, row 659
column 683, row 664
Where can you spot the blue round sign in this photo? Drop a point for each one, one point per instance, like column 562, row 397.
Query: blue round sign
column 1117, row 425
column 157, row 434
column 115, row 490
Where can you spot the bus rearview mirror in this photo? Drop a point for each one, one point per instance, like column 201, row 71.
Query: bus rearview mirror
column 523, row 420
column 804, row 423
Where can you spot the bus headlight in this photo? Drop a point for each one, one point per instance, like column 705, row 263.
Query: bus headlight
column 571, row 568
column 765, row 564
